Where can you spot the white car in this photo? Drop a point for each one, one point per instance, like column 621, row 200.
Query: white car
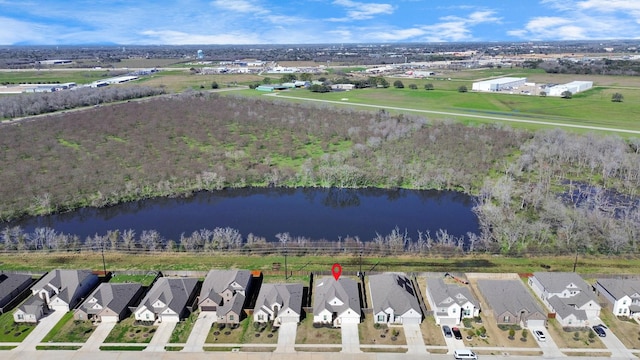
column 539, row 335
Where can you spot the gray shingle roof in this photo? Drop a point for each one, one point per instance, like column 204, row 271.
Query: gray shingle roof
column 327, row 288
column 217, row 281
column 115, row 297
column 557, row 282
column 392, row 290
column 508, row 295
column 235, row 305
column 173, row 292
column 68, row 281
column 10, row 283
column 445, row 294
column 564, row 310
column 621, row 287
column 288, row 295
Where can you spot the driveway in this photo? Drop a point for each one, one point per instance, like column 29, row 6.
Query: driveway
column 97, row 338
column 612, row 342
column 549, row 347
column 287, row 338
column 161, row 337
column 350, row 339
column 198, row 335
column 42, row 329
column 415, row 341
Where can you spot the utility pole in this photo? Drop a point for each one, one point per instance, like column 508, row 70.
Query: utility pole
column 104, row 264
column 575, row 262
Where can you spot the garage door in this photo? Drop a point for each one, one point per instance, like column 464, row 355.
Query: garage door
column 535, row 323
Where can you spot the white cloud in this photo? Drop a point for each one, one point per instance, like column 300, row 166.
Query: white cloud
column 241, row 6
column 14, row 31
column 583, row 19
column 397, row 35
column 362, row 11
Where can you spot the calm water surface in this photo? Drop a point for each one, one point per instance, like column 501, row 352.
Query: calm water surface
column 312, row 213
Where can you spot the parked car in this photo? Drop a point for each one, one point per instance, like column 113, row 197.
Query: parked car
column 465, row 354
column 540, row 335
column 447, row 331
column 456, row 333
column 599, row 330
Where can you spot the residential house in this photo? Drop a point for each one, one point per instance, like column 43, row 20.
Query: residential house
column 511, row 303
column 279, row 303
column 109, row 302
column 168, row 300
column 12, row 285
column 451, row 302
column 394, row 299
column 622, row 295
column 567, row 295
column 57, row 290
column 336, row 302
column 224, row 293
column 343, row 87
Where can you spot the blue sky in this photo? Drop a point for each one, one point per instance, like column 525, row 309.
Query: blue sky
column 180, row 22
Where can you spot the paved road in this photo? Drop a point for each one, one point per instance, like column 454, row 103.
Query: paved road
column 415, row 341
column 467, row 115
column 287, row 338
column 200, row 331
column 350, row 339
column 96, row 339
column 161, row 337
column 42, row 329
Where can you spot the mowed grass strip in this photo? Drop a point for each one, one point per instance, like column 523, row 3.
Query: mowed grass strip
column 303, row 265
column 11, row 331
column 68, row 330
column 592, row 108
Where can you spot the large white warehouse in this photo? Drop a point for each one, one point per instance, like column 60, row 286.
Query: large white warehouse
column 504, row 83
column 574, row 86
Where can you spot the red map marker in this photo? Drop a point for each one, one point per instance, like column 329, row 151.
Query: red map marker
column 336, row 269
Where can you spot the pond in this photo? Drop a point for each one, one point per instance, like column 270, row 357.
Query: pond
column 313, row 213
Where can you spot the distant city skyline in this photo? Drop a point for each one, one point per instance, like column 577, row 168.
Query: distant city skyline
column 227, row 22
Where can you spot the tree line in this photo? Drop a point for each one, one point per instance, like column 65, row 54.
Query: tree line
column 22, row 105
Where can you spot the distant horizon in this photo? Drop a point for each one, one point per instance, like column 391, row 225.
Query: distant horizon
column 336, row 45
column 312, row 22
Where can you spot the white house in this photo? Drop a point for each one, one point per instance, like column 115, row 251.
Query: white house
column 394, row 300
column 623, row 295
column 57, row 290
column 567, row 295
column 279, row 303
column 336, row 302
column 451, row 303
column 167, row 300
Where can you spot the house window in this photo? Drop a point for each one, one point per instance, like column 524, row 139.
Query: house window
column 147, row 315
column 260, row 317
column 231, row 317
column 506, row 318
column 620, row 311
column 20, row 317
column 380, row 317
column 454, row 310
column 624, row 302
column 324, row 318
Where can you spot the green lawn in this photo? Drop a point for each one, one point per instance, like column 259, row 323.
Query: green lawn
column 11, row 331
column 183, row 329
column 69, row 330
column 593, row 107
column 126, row 331
column 145, row 280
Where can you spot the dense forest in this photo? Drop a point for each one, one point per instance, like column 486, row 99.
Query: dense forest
column 548, row 191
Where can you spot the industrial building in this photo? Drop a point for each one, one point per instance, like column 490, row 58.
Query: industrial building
column 505, row 83
column 574, row 87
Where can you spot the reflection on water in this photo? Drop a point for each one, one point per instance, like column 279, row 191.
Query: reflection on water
column 313, row 213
